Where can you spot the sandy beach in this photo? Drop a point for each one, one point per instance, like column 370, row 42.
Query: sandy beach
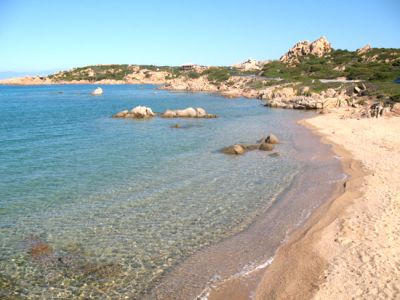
column 350, row 247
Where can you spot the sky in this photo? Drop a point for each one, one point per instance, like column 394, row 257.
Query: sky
column 45, row 35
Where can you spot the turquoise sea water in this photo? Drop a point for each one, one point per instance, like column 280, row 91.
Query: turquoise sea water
column 114, row 204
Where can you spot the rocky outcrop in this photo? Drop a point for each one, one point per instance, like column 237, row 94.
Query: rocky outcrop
column 364, row 49
column 145, row 76
column 139, row 112
column 319, row 47
column 264, row 144
column 191, row 84
column 97, row 92
column 396, row 109
column 189, row 112
column 249, row 65
column 304, row 99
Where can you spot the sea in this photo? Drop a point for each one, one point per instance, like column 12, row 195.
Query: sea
column 93, row 207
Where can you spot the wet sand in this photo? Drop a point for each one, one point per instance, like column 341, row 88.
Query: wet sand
column 233, row 268
column 350, row 247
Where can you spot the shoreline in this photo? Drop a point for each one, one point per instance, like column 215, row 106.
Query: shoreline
column 333, row 255
column 233, row 267
column 298, row 256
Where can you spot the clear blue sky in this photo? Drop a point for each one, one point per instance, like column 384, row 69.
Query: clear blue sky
column 56, row 34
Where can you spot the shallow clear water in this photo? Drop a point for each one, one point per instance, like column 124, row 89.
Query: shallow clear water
column 114, row 204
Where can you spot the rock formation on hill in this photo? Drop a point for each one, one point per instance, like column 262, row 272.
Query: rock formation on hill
column 319, row 48
column 364, row 49
column 249, row 65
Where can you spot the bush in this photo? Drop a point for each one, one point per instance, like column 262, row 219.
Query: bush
column 217, row 75
column 193, row 75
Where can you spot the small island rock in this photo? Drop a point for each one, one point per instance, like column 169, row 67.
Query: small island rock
column 139, row 112
column 97, row 92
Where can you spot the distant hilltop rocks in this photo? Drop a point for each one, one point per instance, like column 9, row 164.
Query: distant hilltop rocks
column 319, row 48
column 364, row 49
column 249, row 65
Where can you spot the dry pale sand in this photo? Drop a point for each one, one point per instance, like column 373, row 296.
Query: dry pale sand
column 350, row 248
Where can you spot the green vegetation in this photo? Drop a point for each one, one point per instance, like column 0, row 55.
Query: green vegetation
column 217, row 75
column 378, row 68
column 114, row 72
column 340, row 63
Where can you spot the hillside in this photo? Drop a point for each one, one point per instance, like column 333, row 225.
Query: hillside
column 308, row 66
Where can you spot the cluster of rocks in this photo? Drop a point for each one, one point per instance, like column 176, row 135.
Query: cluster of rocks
column 364, row 49
column 249, row 65
column 264, row 144
column 288, row 97
column 189, row 112
column 143, row 112
column 139, row 112
column 319, row 48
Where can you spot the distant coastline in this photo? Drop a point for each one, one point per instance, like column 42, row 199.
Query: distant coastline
column 311, row 75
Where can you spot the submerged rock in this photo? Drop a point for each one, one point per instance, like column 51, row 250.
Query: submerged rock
column 97, row 92
column 39, row 250
column 275, row 154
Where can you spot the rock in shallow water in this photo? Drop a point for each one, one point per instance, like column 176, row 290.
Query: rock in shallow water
column 189, row 112
column 97, row 92
column 264, row 144
column 234, row 150
column 266, row 147
column 138, row 112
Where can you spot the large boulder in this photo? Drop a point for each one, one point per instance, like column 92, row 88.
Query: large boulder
column 364, row 49
column 266, row 147
column 270, row 139
column 396, row 109
column 139, row 112
column 189, row 112
column 121, row 114
column 201, row 112
column 236, row 149
column 169, row 114
column 97, row 92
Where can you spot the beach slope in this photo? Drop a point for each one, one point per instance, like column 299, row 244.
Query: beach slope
column 350, row 248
